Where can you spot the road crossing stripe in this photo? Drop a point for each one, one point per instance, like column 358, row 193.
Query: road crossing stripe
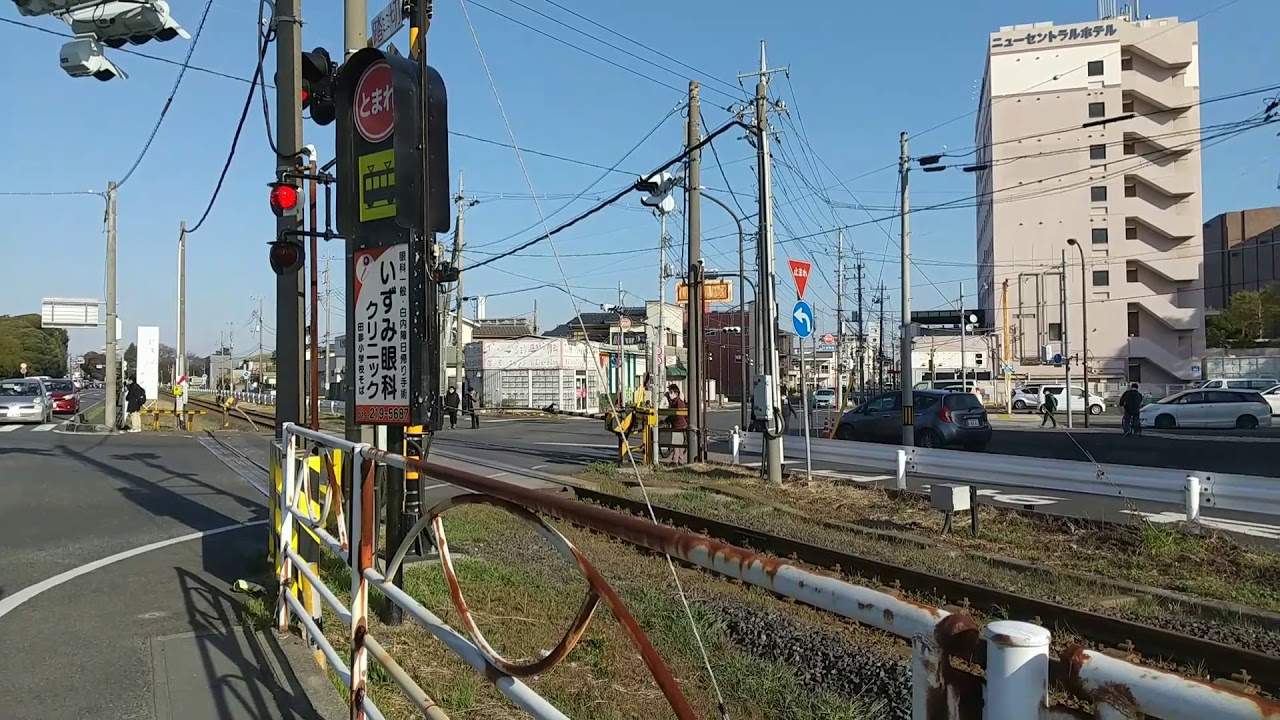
column 9, row 428
column 43, row 428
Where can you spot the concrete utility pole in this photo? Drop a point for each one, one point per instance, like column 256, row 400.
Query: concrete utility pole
column 459, row 242
column 862, row 334
column 696, row 340
column 355, row 21
column 839, row 373
column 660, row 344
column 904, row 366
column 879, row 303
column 180, row 362
column 1005, row 349
column 113, row 380
column 290, row 286
column 964, row 322
column 766, row 304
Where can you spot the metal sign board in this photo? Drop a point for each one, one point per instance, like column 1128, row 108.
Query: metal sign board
column 828, row 339
column 802, row 319
column 148, row 370
column 382, row 376
column 800, row 273
column 386, row 23
column 374, row 103
column 826, row 347
column 69, row 313
column 713, row 291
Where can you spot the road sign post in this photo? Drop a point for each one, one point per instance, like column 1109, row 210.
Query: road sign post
column 802, row 321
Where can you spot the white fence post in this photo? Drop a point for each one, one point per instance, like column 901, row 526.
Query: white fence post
column 737, row 443
column 900, row 480
column 1017, row 670
column 926, row 674
column 1192, row 490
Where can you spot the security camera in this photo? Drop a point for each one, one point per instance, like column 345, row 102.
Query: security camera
column 83, row 57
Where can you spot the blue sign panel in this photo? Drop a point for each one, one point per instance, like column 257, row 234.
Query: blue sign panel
column 802, row 319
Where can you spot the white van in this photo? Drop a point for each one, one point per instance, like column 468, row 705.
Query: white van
column 1075, row 400
column 1258, row 384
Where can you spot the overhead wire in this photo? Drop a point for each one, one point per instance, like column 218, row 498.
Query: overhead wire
column 693, row 626
column 168, row 103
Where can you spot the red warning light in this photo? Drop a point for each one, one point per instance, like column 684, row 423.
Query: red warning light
column 284, row 199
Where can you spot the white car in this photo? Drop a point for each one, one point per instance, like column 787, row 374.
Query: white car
column 1027, row 397
column 1243, row 409
column 1075, row 401
column 1272, row 396
column 824, row 398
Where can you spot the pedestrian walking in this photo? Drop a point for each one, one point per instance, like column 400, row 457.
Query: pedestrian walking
column 1047, row 408
column 1131, row 402
column 134, row 398
column 451, row 403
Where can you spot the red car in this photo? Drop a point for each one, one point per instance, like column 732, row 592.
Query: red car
column 66, row 399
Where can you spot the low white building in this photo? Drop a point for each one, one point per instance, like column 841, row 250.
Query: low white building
column 534, row 372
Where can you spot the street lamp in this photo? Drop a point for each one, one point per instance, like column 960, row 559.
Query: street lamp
column 742, row 316
column 1084, row 319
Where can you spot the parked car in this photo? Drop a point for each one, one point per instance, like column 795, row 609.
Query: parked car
column 824, row 398
column 942, row 419
column 65, row 396
column 1076, row 401
column 1026, row 397
column 1245, row 409
column 1238, row 384
column 25, row 400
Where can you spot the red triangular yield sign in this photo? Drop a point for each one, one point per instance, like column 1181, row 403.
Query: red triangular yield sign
column 800, row 273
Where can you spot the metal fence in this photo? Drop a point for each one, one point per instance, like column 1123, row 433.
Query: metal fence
column 1190, row 488
column 329, row 407
column 1015, row 655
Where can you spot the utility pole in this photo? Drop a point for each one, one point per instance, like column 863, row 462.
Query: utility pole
column 839, row 358
column 879, row 303
column 355, row 20
column 459, row 243
column 290, row 286
column 862, row 334
column 181, row 363
column 313, row 323
column 904, row 369
column 964, row 322
column 113, row 380
column 697, row 341
column 1005, row 349
column 660, row 344
column 261, row 374
column 1066, row 343
column 766, row 305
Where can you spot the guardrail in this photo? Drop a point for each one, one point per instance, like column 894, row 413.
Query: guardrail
column 1192, row 489
column 1015, row 654
column 332, row 407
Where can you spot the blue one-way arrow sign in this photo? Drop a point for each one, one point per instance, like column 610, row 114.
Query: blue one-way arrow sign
column 802, row 319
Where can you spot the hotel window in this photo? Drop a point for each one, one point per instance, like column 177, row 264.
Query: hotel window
column 1095, row 68
column 1100, row 236
column 1097, row 110
column 1097, row 152
column 1098, row 193
column 1101, row 278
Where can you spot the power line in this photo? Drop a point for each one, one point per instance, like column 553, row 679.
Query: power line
column 157, row 58
column 168, row 103
column 235, row 138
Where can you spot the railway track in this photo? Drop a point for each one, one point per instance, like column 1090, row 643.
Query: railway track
column 1127, row 637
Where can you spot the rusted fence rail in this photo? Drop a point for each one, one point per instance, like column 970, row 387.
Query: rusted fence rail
column 1015, row 655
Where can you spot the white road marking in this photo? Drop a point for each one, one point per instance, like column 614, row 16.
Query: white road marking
column 496, row 475
column 537, row 467
column 9, row 428
column 14, row 601
column 43, row 428
column 1271, row 532
column 581, row 445
column 1011, row 498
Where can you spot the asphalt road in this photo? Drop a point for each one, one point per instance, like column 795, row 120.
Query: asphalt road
column 152, row 634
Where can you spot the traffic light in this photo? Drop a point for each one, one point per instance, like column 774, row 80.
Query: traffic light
column 445, row 273
column 318, row 71
column 119, row 22
column 977, row 358
column 284, row 199
column 285, row 256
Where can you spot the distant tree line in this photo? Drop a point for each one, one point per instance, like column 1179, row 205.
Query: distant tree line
column 1251, row 320
column 24, row 340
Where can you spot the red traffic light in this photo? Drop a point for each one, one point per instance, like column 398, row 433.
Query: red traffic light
column 305, row 96
column 284, row 199
column 285, row 257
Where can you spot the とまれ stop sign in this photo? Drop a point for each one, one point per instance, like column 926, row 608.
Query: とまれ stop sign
column 800, row 273
column 374, row 112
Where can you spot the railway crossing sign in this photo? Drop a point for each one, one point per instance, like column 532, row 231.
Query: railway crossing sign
column 373, row 104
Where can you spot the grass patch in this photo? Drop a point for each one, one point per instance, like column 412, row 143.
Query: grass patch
column 523, row 596
column 1212, row 566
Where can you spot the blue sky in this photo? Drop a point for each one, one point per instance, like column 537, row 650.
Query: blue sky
column 859, row 74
